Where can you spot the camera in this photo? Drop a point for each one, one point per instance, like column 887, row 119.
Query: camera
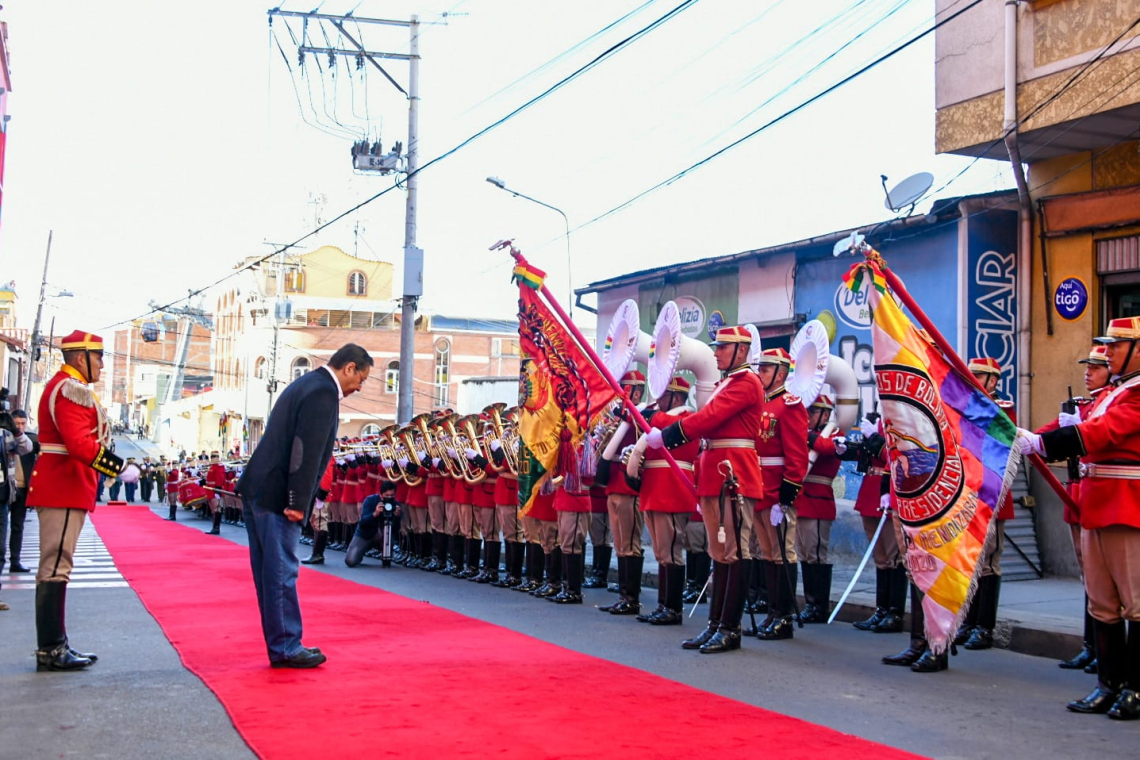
column 6, row 420
column 389, row 503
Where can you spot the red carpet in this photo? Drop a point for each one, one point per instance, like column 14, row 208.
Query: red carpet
column 408, row 679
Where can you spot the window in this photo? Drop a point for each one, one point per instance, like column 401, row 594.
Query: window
column 370, row 429
column 392, row 378
column 442, row 371
column 301, row 366
column 259, row 368
column 504, row 347
column 357, row 284
column 294, row 280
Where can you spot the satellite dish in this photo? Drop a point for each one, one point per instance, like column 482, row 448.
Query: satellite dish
column 907, row 192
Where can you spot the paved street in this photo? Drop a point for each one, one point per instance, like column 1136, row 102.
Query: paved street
column 139, row 702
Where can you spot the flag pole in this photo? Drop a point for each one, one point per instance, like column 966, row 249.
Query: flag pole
column 584, row 344
column 951, row 355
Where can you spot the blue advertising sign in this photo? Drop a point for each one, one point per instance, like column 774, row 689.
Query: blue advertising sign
column 716, row 321
column 991, row 295
column 1071, row 298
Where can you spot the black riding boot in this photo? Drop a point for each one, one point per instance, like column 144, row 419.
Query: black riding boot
column 782, row 604
column 727, row 636
column 1087, row 654
column 173, row 515
column 918, row 647
column 702, row 566
column 662, row 592
column 53, row 652
column 753, row 573
column 673, row 612
column 1112, row 665
column 573, row 565
column 716, row 607
column 971, row 620
column 772, row 603
column 882, row 601
column 892, row 622
column 535, row 565
column 630, row 603
column 928, row 662
column 1127, row 705
column 600, row 568
column 491, row 558
column 319, row 544
column 982, row 637
column 623, row 584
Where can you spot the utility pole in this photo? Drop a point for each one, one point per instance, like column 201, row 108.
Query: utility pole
column 271, row 385
column 367, row 159
column 36, row 328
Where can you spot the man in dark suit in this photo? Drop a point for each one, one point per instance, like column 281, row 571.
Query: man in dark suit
column 278, row 487
column 25, row 463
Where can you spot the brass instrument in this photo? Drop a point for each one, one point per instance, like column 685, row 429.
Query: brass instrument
column 468, row 438
column 442, row 432
column 608, row 423
column 386, row 448
column 403, row 440
column 497, row 431
column 512, row 439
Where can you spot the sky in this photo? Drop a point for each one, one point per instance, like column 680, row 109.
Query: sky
column 162, row 143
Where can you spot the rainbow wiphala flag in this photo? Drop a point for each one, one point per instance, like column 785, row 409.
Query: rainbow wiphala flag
column 951, row 460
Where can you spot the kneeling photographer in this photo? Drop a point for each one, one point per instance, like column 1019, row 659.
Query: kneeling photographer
column 379, row 516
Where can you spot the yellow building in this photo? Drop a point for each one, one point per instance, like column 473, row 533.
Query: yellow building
column 1054, row 84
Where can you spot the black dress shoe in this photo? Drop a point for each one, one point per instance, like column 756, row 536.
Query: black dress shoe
column 566, row 597
column 908, row 656
column 306, row 658
column 1100, row 700
column 963, row 635
column 1091, row 667
column 724, row 640
column 1084, row 658
column 781, row 628
column 645, row 617
column 314, row 560
column 547, row 591
column 613, row 588
column 625, row 607
column 890, row 622
column 594, row 581
column 16, row 567
column 60, row 658
column 870, row 623
column 1127, row 706
column 980, row 638
column 700, row 639
column 930, row 662
column 762, row 626
column 813, row 614
column 667, row 617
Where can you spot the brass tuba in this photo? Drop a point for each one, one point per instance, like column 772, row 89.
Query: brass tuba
column 468, row 437
column 386, row 448
column 495, row 413
column 443, row 433
column 404, row 441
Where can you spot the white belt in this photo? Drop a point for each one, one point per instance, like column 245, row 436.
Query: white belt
column 731, row 443
column 771, row 461
column 655, row 464
column 54, row 448
column 1114, row 471
column 822, row 480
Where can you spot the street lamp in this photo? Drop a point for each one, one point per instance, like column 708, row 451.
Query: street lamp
column 569, row 277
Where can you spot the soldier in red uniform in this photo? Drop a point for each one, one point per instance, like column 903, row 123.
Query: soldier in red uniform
column 1097, row 381
column 626, row 522
column 173, row 475
column 815, row 510
column 891, row 583
column 781, row 445
column 75, row 440
column 486, row 516
column 215, row 479
column 573, row 510
column 601, row 538
column 507, row 505
column 417, row 511
column 1108, row 441
column 730, row 421
column 545, row 528
column 977, row 631
column 668, row 504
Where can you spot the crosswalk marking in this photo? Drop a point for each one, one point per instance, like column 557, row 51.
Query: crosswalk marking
column 93, row 565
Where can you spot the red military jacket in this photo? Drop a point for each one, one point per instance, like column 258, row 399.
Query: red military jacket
column 464, row 492
column 417, row 494
column 336, row 493
column 483, row 494
column 781, row 445
column 507, row 490
column 660, row 489
column 216, row 476
column 172, row 476
column 871, row 490
column 617, row 482
column 1006, row 511
column 543, row 508
column 435, row 482
column 599, row 503
column 1084, row 406
column 571, row 501
column 73, row 445
column 1110, row 437
column 729, row 421
column 817, row 501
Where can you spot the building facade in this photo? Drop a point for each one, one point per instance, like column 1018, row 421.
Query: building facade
column 1069, row 98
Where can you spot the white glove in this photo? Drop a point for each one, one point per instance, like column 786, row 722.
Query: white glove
column 452, row 453
column 421, row 455
column 318, row 505
column 654, row 439
column 777, row 515
column 1029, row 442
column 130, row 473
column 885, row 503
column 1064, row 419
column 386, row 464
column 436, row 462
column 840, row 445
column 403, row 462
column 470, row 453
column 495, row 445
column 868, row 428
